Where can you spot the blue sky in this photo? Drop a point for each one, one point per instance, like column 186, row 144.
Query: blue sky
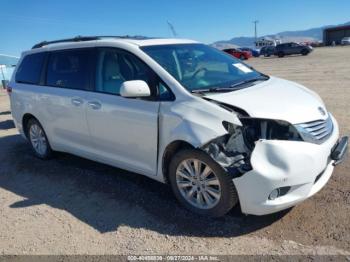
column 25, row 23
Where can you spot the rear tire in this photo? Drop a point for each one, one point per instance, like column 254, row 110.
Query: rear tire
column 38, row 139
column 304, row 52
column 209, row 192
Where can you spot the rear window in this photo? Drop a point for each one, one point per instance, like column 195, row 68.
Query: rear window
column 29, row 71
column 69, row 69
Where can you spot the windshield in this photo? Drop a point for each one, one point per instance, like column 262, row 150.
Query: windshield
column 198, row 66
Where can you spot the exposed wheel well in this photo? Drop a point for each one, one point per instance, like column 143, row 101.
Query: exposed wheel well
column 25, row 120
column 169, row 152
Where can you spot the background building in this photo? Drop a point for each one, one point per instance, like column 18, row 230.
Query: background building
column 7, row 65
column 335, row 34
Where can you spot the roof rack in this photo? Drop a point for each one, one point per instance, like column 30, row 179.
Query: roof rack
column 75, row 39
column 86, row 38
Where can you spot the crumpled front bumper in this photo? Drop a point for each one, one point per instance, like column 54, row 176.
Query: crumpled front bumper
column 302, row 166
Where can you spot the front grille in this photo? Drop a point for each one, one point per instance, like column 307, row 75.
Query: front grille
column 316, row 131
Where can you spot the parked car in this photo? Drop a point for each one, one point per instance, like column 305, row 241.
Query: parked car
column 267, row 51
column 292, row 49
column 238, row 53
column 345, row 41
column 254, row 52
column 180, row 112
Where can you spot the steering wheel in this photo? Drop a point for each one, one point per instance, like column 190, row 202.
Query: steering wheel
column 198, row 71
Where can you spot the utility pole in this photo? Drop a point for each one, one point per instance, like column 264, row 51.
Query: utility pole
column 2, row 72
column 172, row 29
column 255, row 30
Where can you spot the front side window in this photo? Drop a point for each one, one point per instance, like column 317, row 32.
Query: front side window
column 29, row 71
column 69, row 69
column 198, row 66
column 114, row 66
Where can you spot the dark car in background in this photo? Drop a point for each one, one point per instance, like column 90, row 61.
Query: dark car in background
column 254, row 52
column 292, row 49
column 267, row 51
column 238, row 53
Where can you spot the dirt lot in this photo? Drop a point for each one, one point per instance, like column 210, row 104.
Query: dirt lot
column 69, row 205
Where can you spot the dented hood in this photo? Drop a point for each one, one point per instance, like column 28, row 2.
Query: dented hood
column 275, row 99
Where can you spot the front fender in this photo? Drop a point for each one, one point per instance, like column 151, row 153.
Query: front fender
column 196, row 122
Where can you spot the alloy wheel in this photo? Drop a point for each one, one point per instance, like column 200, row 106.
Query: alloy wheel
column 198, row 184
column 38, row 139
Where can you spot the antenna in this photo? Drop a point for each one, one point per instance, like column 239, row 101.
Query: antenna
column 172, row 29
column 255, row 30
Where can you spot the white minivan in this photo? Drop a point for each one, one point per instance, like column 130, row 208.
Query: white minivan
column 181, row 112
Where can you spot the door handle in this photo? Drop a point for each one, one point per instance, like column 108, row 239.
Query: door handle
column 77, row 101
column 94, row 105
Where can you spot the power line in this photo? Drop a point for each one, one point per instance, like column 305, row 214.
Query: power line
column 12, row 56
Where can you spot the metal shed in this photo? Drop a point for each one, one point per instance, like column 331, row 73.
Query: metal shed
column 335, row 34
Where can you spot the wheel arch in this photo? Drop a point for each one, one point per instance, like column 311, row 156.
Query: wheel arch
column 170, row 150
column 26, row 117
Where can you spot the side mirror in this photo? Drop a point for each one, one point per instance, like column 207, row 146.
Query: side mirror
column 135, row 88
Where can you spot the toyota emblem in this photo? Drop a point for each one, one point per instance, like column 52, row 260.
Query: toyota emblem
column 322, row 111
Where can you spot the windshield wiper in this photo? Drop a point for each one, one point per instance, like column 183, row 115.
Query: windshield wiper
column 213, row 90
column 249, row 81
column 232, row 87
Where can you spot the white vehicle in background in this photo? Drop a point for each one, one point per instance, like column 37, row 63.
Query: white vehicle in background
column 218, row 131
column 345, row 41
column 266, row 41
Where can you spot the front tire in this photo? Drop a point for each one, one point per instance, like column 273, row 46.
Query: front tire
column 304, row 52
column 201, row 184
column 280, row 54
column 38, row 139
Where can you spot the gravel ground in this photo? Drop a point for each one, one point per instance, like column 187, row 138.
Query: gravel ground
column 70, row 205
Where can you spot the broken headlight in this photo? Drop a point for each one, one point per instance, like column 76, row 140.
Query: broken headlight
column 257, row 128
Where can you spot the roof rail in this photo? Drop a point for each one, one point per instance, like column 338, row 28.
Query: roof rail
column 75, row 39
column 86, row 38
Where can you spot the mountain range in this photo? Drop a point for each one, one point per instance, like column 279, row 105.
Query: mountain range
column 312, row 34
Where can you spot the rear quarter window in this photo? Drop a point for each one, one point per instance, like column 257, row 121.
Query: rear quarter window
column 29, row 71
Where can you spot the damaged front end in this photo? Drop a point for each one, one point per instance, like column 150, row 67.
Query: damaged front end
column 230, row 150
column 233, row 150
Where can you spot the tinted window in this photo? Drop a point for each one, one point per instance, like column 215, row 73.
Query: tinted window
column 29, row 71
column 115, row 66
column 69, row 69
